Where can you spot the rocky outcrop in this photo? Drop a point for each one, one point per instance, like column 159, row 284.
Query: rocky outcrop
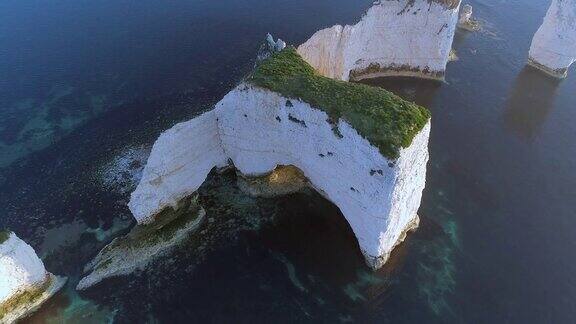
column 394, row 38
column 553, row 47
column 144, row 243
column 465, row 15
column 24, row 282
column 466, row 21
column 283, row 180
column 362, row 148
column 268, row 47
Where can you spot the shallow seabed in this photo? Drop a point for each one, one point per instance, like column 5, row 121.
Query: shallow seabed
column 89, row 86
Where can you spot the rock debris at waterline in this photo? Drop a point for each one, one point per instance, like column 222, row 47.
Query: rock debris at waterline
column 394, row 38
column 24, row 282
column 286, row 115
column 553, row 48
column 466, row 21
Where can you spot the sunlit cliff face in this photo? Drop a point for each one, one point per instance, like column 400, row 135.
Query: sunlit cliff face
column 394, row 38
column 553, row 48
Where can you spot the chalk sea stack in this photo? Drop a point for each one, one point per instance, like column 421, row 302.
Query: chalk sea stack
column 409, row 38
column 283, row 128
column 361, row 147
column 553, row 47
column 24, row 282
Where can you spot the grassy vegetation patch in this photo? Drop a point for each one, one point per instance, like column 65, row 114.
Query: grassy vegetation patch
column 4, row 235
column 384, row 119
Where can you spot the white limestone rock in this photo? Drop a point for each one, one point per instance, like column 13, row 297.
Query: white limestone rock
column 22, row 273
column 394, row 38
column 259, row 130
column 268, row 47
column 553, row 47
column 20, row 268
column 189, row 151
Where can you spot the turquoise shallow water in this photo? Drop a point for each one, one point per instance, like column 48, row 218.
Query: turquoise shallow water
column 87, row 84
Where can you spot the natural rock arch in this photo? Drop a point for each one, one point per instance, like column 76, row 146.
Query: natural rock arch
column 257, row 130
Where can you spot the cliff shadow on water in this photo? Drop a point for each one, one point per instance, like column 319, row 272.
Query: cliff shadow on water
column 530, row 102
column 429, row 264
column 419, row 91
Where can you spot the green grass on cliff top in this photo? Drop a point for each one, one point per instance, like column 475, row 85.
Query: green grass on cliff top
column 384, row 119
column 4, row 235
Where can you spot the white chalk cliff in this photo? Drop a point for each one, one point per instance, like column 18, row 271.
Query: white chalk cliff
column 394, row 38
column 553, row 47
column 22, row 273
column 258, row 130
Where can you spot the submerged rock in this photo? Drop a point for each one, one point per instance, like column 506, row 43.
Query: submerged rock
column 553, row 47
column 144, row 243
column 24, row 282
column 394, row 38
column 361, row 147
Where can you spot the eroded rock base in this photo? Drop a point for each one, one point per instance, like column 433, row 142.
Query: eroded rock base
column 283, row 180
column 28, row 301
column 376, row 262
column 559, row 73
column 400, row 74
column 144, row 243
column 471, row 25
column 377, row 71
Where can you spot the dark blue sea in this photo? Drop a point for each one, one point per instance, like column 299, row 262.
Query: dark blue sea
column 85, row 83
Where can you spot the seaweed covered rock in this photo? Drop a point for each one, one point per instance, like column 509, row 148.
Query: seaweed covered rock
column 144, row 243
column 24, row 282
column 394, row 38
column 363, row 148
column 553, row 47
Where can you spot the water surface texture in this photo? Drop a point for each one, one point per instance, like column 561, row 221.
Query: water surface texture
column 86, row 87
